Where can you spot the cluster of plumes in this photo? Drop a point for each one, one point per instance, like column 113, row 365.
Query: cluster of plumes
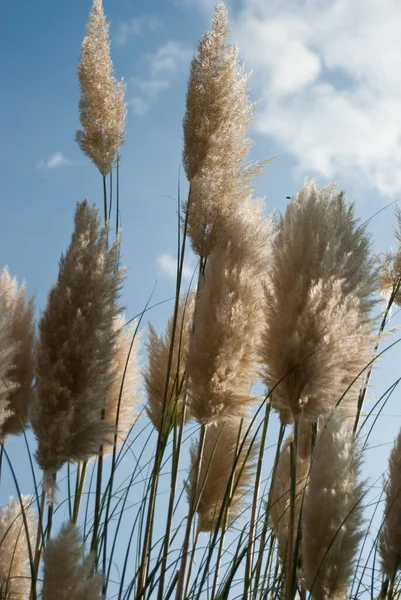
column 123, row 396
column 279, row 501
column 390, row 537
column 318, row 335
column 218, row 115
column 17, row 339
column 76, row 347
column 67, row 573
column 332, row 512
column 222, row 475
column 165, row 404
column 15, row 574
column 390, row 269
column 102, row 108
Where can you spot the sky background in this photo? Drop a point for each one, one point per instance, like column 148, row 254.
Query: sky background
column 325, row 74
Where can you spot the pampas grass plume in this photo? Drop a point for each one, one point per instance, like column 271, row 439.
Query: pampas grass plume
column 390, row 537
column 76, row 348
column 218, row 115
column 67, row 574
column 156, row 372
column 21, row 340
column 209, row 481
column 15, row 574
column 332, row 512
column 319, row 294
column 123, row 397
column 102, row 109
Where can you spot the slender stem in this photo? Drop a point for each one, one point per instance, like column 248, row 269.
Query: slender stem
column 191, row 512
column 267, row 512
column 105, row 199
column 291, row 520
column 110, row 192
column 39, row 533
column 251, row 545
column 96, row 519
column 118, row 195
column 161, row 440
column 364, row 389
column 78, row 494
column 173, row 485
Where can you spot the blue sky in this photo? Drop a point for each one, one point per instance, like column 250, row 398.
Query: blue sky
column 326, row 74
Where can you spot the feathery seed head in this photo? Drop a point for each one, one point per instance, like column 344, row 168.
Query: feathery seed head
column 15, row 580
column 390, row 537
column 330, row 537
column 390, row 268
column 209, row 482
column 67, row 574
column 76, row 348
column 321, row 279
column 102, row 108
column 21, row 343
column 223, row 358
column 156, row 372
column 217, row 118
column 123, row 396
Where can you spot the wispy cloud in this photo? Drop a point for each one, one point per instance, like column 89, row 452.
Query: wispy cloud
column 55, row 160
column 167, row 267
column 161, row 67
column 137, row 26
column 325, row 71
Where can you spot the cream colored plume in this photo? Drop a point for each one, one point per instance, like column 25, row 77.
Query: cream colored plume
column 21, row 345
column 390, row 538
column 124, row 394
column 223, row 362
column 332, row 513
column 218, row 116
column 15, row 573
column 279, row 508
column 321, row 279
column 67, row 574
column 102, row 109
column 390, row 269
column 76, row 349
column 156, row 372
column 210, row 483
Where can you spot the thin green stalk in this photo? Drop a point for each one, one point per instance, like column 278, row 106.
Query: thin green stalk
column 291, row 521
column 173, row 485
column 78, row 493
column 225, row 520
column 161, row 441
column 191, row 512
column 267, row 512
column 105, row 199
column 363, row 391
column 110, row 193
column 251, row 546
column 118, row 195
column 96, row 518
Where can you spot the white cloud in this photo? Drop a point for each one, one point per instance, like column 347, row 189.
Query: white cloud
column 167, row 265
column 127, row 30
column 55, row 160
column 170, row 58
column 162, row 66
column 139, row 106
column 205, row 6
column 137, row 26
column 327, row 74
